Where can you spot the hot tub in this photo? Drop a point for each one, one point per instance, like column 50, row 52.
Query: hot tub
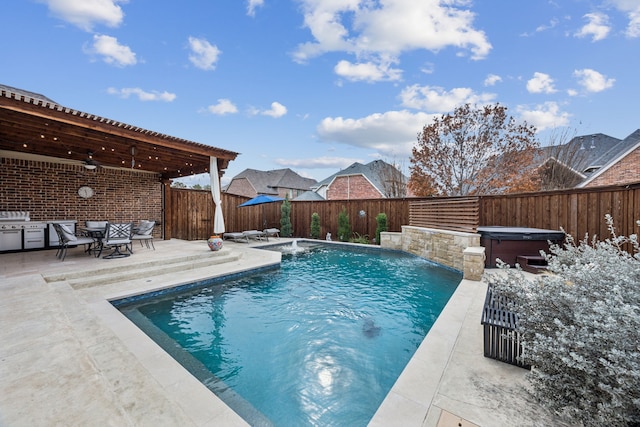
column 507, row 243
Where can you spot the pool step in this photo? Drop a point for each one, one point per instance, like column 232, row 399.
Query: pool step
column 131, row 271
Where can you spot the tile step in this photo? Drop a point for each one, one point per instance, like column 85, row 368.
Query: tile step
column 121, row 273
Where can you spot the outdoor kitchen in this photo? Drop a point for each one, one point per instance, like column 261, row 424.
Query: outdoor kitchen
column 19, row 233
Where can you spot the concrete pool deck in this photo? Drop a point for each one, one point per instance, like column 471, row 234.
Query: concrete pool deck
column 68, row 357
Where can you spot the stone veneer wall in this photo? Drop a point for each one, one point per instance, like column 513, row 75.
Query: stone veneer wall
column 454, row 249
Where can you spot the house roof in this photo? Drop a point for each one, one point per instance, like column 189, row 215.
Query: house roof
column 582, row 153
column 268, row 182
column 613, row 156
column 33, row 124
column 308, row 196
column 374, row 171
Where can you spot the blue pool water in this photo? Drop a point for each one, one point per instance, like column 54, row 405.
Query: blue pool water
column 319, row 341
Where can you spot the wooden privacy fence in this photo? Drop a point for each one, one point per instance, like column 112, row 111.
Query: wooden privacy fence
column 362, row 215
column 451, row 213
column 192, row 215
column 577, row 211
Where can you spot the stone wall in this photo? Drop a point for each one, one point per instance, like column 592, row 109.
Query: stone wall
column 461, row 251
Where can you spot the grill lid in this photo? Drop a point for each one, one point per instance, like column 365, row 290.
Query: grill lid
column 14, row 216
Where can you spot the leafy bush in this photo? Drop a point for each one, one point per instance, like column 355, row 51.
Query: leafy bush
column 315, row 225
column 581, row 329
column 344, row 228
column 285, row 218
column 381, row 220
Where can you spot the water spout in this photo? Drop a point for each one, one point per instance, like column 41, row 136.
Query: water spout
column 294, row 248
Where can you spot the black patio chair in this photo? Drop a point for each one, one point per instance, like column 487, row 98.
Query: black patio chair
column 116, row 236
column 67, row 238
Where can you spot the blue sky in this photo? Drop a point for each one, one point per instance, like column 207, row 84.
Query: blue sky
column 315, row 85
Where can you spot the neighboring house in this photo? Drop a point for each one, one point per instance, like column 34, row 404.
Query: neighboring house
column 591, row 161
column 280, row 182
column 375, row 180
column 618, row 166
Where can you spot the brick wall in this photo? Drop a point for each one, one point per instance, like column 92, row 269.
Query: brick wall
column 626, row 171
column 352, row 187
column 49, row 191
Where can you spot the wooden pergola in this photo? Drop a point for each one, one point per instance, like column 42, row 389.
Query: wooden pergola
column 33, row 124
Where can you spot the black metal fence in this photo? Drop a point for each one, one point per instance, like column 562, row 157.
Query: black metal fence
column 502, row 339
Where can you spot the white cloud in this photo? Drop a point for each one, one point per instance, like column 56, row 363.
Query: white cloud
column 545, row 116
column 436, row 99
column 540, row 83
column 593, row 81
column 367, row 71
column 632, row 9
column 277, row 110
column 392, row 133
column 492, row 79
column 111, row 51
column 142, row 95
column 379, row 32
column 87, row 13
column 224, row 106
column 252, row 5
column 552, row 24
column 318, row 162
column 203, row 55
column 597, row 28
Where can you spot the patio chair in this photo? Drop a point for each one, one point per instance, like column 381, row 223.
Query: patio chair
column 116, row 236
column 144, row 233
column 271, row 232
column 96, row 224
column 68, row 238
column 235, row 237
column 254, row 234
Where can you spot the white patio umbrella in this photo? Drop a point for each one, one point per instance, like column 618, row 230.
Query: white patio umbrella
column 218, row 218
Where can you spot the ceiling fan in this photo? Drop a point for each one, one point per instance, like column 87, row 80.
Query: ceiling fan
column 89, row 162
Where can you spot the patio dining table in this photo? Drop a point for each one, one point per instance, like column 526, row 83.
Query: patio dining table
column 98, row 234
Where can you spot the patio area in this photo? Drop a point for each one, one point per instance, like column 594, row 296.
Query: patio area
column 69, row 358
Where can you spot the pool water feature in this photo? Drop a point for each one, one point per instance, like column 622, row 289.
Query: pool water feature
column 319, row 341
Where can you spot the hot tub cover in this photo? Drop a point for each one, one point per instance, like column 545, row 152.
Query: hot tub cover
column 519, row 233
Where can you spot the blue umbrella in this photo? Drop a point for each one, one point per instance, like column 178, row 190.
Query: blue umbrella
column 261, row 199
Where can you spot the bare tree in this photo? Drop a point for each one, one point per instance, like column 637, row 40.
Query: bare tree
column 563, row 160
column 394, row 182
column 476, row 150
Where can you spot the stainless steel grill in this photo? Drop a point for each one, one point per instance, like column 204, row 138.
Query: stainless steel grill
column 18, row 232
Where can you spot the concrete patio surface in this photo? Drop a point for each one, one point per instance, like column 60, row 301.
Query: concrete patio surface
column 69, row 358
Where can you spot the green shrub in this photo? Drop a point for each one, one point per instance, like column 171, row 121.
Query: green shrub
column 344, row 228
column 315, row 225
column 285, row 218
column 381, row 220
column 581, row 328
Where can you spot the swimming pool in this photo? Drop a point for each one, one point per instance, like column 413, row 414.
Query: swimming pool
column 319, row 341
